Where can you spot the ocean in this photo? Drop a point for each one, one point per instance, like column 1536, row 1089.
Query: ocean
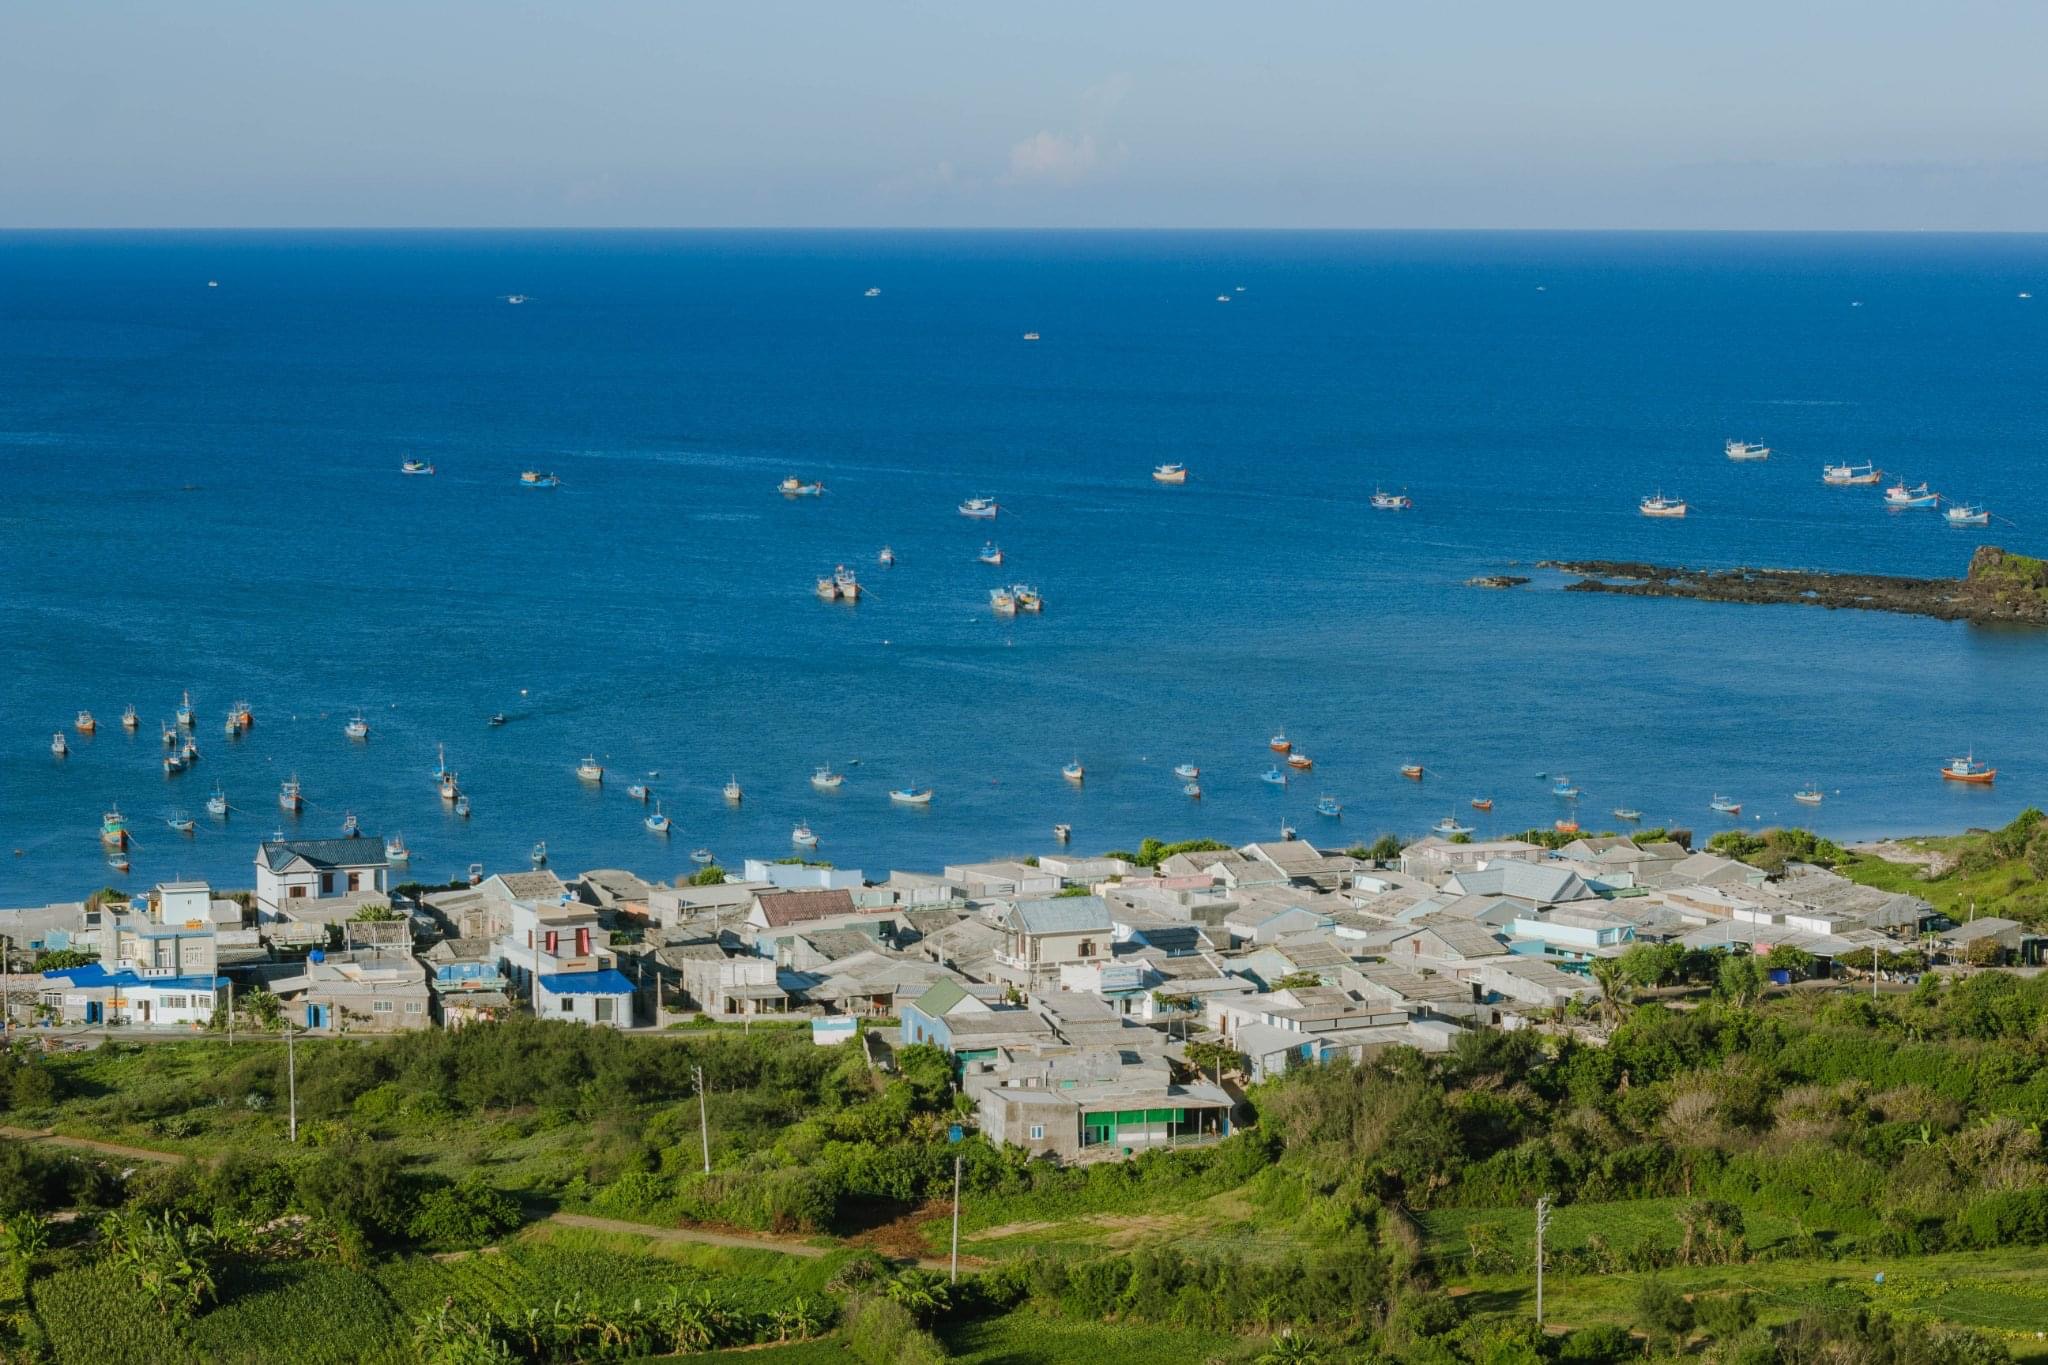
column 202, row 491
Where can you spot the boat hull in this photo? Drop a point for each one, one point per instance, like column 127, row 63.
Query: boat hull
column 1984, row 778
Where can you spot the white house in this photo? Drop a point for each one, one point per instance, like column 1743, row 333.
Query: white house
column 296, row 875
column 561, row 959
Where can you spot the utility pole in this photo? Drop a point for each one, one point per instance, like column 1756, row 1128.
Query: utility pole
column 1542, row 1226
column 956, row 1221
column 291, row 1069
column 703, row 1121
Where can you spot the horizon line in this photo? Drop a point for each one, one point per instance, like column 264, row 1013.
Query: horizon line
column 1070, row 229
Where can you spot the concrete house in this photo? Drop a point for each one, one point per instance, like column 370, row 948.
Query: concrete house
column 955, row 1019
column 1042, row 936
column 362, row 992
column 1087, row 1103
column 720, row 984
column 326, row 878
column 560, row 957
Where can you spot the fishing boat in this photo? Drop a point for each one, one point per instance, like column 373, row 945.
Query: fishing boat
column 1279, row 743
column 828, row 588
column 173, row 765
column 1747, row 450
column 1031, row 336
column 702, row 857
column 732, row 791
column 1449, row 828
column 1626, row 813
column 539, row 856
column 395, row 850
column 289, row 797
column 1273, row 777
column 1002, row 601
column 118, row 864
column 1170, row 473
column 1968, row 769
column 981, row 509
column 182, row 823
column 462, row 806
column 1808, row 795
column 1027, row 598
column 1920, row 495
column 1191, row 790
column 1187, row 772
column 886, row 557
column 497, row 719
column 1300, row 762
column 848, row 585
column 350, row 827
column 1967, row 514
column 1565, row 826
column 1063, row 832
column 535, row 478
column 415, row 467
column 190, row 753
column 1482, row 803
column 1850, row 475
column 85, row 723
column 129, row 720
column 1563, row 787
column 1724, row 806
column 1391, row 502
column 911, row 796
column 802, row 837
column 357, row 727
column 991, row 553
column 170, row 734
column 1657, row 505
column 59, row 745
column 1329, row 805
column 1412, row 771
column 825, row 780
column 637, row 792
column 185, row 712
column 244, row 717
column 793, row 487
column 451, row 786
column 590, row 770
column 873, row 293
column 1074, row 772
column 231, row 727
column 114, row 828
column 1287, row 833
column 217, row 804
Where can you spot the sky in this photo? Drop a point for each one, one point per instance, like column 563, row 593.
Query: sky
column 1772, row 114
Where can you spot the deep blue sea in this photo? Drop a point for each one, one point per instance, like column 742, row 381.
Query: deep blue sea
column 202, row 491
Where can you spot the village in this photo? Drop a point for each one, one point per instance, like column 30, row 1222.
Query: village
column 1086, row 1002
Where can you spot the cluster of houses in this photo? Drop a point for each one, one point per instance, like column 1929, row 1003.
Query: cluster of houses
column 1066, row 989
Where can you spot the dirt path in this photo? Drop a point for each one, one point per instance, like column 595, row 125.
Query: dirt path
column 739, row 1240
column 88, row 1145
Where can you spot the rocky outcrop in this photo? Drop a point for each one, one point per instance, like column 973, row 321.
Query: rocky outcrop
column 1999, row 586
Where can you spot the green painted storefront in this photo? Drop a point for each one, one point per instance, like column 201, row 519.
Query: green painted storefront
column 1107, row 1124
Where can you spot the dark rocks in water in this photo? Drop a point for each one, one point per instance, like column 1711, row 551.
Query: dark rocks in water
column 1999, row 587
column 1495, row 580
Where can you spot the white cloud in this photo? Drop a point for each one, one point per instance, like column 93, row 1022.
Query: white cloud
column 1054, row 158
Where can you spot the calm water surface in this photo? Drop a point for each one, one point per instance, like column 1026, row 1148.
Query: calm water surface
column 202, row 491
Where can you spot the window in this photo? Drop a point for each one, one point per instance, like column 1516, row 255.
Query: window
column 1087, row 948
column 1037, row 1132
column 355, row 881
column 326, row 883
column 174, row 1002
column 604, row 1009
column 380, row 1007
column 582, row 942
column 415, row 1007
column 554, row 942
column 567, row 1004
column 296, row 893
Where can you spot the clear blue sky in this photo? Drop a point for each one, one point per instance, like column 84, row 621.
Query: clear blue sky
column 1125, row 113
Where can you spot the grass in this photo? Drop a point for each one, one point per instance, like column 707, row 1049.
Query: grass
column 2007, row 889
column 1029, row 1338
column 1623, row 1223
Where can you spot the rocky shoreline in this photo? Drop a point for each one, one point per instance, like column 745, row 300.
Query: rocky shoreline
column 1999, row 587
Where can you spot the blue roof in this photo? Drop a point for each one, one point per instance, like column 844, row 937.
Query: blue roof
column 93, row 974
column 607, row 982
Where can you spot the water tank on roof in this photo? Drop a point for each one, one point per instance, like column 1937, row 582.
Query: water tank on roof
column 317, row 955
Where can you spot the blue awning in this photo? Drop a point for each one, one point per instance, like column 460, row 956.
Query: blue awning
column 606, row 982
column 94, row 974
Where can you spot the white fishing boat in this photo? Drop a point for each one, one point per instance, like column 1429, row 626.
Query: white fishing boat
column 1657, row 505
column 1187, row 772
column 1967, row 514
column 1002, row 602
column 289, row 795
column 1920, row 495
column 827, row 589
column 170, row 736
column 849, row 586
column 981, row 509
column 395, row 850
column 85, row 724
column 886, row 557
column 793, row 487
column 990, row 553
column 1563, row 787
column 181, row 823
column 1273, row 777
column 1809, row 795
column 1170, row 473
column 733, row 792
column 1329, row 805
column 637, row 791
column 59, row 745
column 231, row 727
column 1449, row 828
column 874, row 293
column 217, row 804
column 462, row 806
column 1626, row 813
column 539, row 856
column 1725, row 806
column 1027, row 597
column 350, row 828
column 911, row 796
column 1074, row 772
column 590, row 770
column 802, row 837
column 357, row 727
column 185, row 712
column 451, row 786
column 1063, row 832
column 1747, row 450
column 173, row 765
column 129, row 720
column 536, row 478
column 1031, row 336
column 1191, row 790
column 190, row 752
column 415, row 467
column 825, row 780
column 1391, row 502
column 703, row 857
column 1850, row 475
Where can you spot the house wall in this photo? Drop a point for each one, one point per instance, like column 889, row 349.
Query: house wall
column 607, row 1011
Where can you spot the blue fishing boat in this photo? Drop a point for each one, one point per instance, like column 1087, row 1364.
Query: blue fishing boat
column 1898, row 495
column 981, row 509
column 1273, row 777
column 1563, row 787
column 991, row 553
column 911, row 796
column 534, row 478
column 1329, row 805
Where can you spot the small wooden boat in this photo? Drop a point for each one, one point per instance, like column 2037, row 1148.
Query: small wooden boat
column 1170, row 473
column 415, row 467
column 732, row 791
column 1565, row 826
column 1920, row 495
column 1808, row 796
column 1726, row 807
column 497, row 719
column 289, row 795
column 181, row 823
column 827, row 589
column 980, row 509
column 1746, row 450
column 244, row 717
column 539, row 856
column 1002, row 602
column 1482, row 803
column 1968, row 769
column 185, row 712
column 1301, row 763
column 1187, row 772
column 848, row 585
column 59, row 745
column 991, row 553
column 350, row 828
column 85, row 723
column 1413, row 771
column 1074, row 772
column 802, row 837
column 637, row 792
column 1031, row 336
column 114, row 828
column 173, row 765
column 1273, row 777
column 1391, row 502
column 171, row 735
column 1967, row 514
column 462, row 806
column 118, row 864
column 357, row 727
column 1279, row 743
column 590, row 770
column 825, row 780
column 129, row 720
column 1063, row 832
column 395, row 850
column 1329, row 805
column 535, row 478
column 702, row 857
column 886, row 557
column 1287, row 834
column 1191, row 790
column 1563, row 788
column 217, row 804
column 1449, row 828
column 1850, row 475
column 1027, row 598
column 793, row 487
column 911, row 796
column 1657, row 505
column 1627, row 813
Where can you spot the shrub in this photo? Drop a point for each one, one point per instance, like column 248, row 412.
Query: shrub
column 464, row 1215
column 1596, row 1345
column 882, row 1332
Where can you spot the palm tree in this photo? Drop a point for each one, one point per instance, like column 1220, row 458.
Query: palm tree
column 1289, row 1349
